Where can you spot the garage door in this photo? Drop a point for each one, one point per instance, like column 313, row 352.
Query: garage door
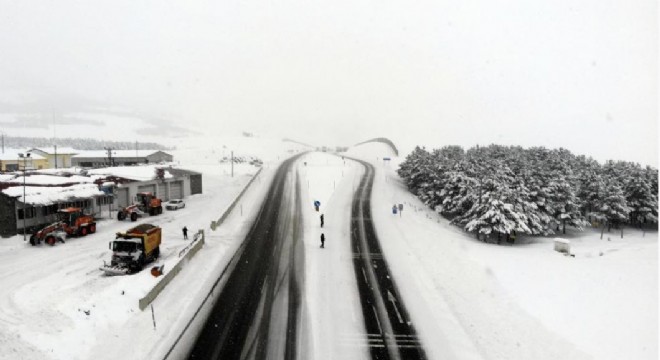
column 176, row 190
column 148, row 188
column 122, row 197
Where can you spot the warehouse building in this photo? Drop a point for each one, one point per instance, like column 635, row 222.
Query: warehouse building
column 103, row 158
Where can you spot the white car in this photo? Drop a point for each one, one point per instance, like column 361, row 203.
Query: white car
column 175, row 204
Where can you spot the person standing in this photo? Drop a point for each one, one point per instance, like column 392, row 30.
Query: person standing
column 322, row 240
column 321, row 220
column 185, row 233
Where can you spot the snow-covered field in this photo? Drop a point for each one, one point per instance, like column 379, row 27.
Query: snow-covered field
column 467, row 299
column 523, row 301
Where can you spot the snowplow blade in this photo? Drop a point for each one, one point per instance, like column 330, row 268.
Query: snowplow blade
column 114, row 270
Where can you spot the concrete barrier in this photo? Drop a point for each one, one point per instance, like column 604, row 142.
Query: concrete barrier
column 231, row 206
column 186, row 254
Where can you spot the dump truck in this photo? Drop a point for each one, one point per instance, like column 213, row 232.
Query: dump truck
column 71, row 222
column 133, row 249
column 145, row 203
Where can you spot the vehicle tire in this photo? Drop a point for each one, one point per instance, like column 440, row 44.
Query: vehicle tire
column 92, row 228
column 152, row 211
column 156, row 253
column 83, row 231
column 50, row 240
column 160, row 210
column 33, row 240
column 121, row 216
column 134, row 216
column 184, row 205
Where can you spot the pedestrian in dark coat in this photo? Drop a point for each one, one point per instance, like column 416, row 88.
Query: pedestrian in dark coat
column 185, row 233
column 321, row 220
column 322, row 240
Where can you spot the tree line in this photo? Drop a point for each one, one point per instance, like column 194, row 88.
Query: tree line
column 508, row 190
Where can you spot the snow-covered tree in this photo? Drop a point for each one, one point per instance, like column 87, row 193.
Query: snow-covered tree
column 613, row 207
column 494, row 211
column 536, row 191
column 640, row 197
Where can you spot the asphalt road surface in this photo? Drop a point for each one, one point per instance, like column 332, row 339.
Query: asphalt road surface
column 390, row 333
column 257, row 313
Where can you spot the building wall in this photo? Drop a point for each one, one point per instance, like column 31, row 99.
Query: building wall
column 161, row 188
column 14, row 165
column 7, row 215
column 159, row 156
column 42, row 215
column 98, row 162
column 195, row 184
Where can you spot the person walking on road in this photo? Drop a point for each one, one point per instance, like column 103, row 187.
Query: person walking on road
column 322, row 240
column 185, row 233
column 321, row 220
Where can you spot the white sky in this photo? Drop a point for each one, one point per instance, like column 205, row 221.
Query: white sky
column 576, row 74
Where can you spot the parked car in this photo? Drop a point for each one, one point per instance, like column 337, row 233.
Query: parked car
column 175, row 204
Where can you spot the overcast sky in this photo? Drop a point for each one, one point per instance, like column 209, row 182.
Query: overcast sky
column 576, row 74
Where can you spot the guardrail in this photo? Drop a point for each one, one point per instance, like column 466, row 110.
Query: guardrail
column 188, row 252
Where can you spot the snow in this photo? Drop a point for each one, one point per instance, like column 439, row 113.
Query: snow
column 50, row 180
column 12, row 155
column 466, row 298
column 139, row 172
column 46, row 195
column 524, row 301
column 59, row 150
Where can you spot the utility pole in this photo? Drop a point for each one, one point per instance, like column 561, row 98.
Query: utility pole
column 55, row 146
column 109, row 151
column 136, row 148
column 24, row 157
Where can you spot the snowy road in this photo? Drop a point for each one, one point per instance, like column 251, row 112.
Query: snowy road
column 390, row 331
column 257, row 312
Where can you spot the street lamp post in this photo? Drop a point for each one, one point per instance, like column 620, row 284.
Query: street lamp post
column 24, row 157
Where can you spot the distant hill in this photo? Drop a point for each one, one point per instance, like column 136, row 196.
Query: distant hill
column 18, row 142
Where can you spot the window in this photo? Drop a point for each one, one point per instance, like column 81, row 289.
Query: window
column 29, row 213
column 104, row 200
column 49, row 210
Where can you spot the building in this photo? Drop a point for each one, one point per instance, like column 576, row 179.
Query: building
column 41, row 202
column 101, row 158
column 58, row 157
column 98, row 192
column 175, row 184
column 10, row 161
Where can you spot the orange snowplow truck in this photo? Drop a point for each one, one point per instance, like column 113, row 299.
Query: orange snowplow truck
column 146, row 203
column 72, row 222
